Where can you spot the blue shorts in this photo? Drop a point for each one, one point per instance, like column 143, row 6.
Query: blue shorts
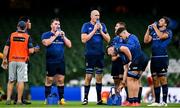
column 94, row 63
column 159, row 65
column 117, row 67
column 55, row 68
column 140, row 63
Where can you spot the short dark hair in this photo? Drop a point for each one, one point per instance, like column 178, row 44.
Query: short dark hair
column 167, row 20
column 54, row 19
column 21, row 25
column 121, row 23
column 119, row 30
column 24, row 18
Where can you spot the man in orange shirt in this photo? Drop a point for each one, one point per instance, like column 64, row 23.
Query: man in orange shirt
column 26, row 19
column 16, row 54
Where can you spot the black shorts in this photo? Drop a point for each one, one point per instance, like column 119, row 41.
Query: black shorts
column 117, row 68
column 94, row 63
column 140, row 63
column 55, row 68
column 159, row 65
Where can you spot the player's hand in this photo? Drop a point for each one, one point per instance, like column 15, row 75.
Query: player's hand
column 121, row 86
column 36, row 48
column 97, row 26
column 62, row 34
column 57, row 33
column 119, row 89
column 4, row 64
column 154, row 25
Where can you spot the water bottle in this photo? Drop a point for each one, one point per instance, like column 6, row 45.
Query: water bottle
column 98, row 21
column 150, row 27
column 59, row 28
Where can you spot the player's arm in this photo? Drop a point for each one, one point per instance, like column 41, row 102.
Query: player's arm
column 126, row 67
column 147, row 37
column 5, row 52
column 161, row 35
column 105, row 36
column 66, row 40
column 6, row 49
column 126, row 51
column 4, row 64
column 85, row 37
column 123, row 82
column 30, row 46
column 104, row 33
column 47, row 42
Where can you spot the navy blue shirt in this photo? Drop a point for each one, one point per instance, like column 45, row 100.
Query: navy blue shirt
column 116, row 40
column 159, row 46
column 55, row 51
column 134, row 46
column 94, row 46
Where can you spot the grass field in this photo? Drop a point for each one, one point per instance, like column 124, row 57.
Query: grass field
column 39, row 104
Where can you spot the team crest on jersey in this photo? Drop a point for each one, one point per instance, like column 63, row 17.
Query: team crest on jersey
column 90, row 28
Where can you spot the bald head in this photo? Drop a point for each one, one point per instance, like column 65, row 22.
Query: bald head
column 95, row 15
column 94, row 12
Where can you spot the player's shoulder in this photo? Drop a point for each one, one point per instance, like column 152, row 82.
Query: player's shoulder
column 169, row 31
column 116, row 37
column 103, row 24
column 14, row 33
column 133, row 36
column 47, row 33
column 86, row 23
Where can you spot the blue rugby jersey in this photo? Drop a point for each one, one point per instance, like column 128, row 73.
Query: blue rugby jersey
column 159, row 46
column 94, row 46
column 55, row 51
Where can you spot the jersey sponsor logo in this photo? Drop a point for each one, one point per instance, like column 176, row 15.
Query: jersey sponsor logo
column 156, row 38
column 57, row 42
column 19, row 39
column 134, row 67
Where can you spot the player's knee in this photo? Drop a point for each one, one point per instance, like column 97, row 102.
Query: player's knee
column 88, row 78
column 156, row 81
column 99, row 78
column 133, row 75
column 49, row 81
column 116, row 80
column 60, row 81
column 163, row 80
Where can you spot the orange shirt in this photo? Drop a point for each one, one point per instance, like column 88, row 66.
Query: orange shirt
column 19, row 51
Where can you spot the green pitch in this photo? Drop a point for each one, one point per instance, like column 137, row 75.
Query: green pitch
column 39, row 104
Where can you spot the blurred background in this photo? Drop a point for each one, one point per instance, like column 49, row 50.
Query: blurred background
column 73, row 13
